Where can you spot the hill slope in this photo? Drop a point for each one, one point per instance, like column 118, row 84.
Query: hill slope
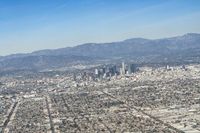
column 180, row 48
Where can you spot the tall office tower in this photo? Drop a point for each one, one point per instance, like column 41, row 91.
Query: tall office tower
column 100, row 71
column 114, row 69
column 96, row 72
column 120, row 71
column 107, row 69
column 131, row 68
column 104, row 69
column 123, row 68
column 167, row 67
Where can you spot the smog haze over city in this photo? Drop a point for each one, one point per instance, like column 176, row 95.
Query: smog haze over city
column 99, row 66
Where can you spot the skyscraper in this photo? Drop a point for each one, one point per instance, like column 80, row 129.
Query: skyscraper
column 123, row 68
column 96, row 71
column 131, row 68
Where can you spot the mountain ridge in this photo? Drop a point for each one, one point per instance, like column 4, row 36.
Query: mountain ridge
column 177, row 48
column 126, row 40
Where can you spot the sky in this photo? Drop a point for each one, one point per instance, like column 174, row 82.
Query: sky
column 29, row 25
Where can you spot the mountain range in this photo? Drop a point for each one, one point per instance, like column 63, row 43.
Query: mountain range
column 185, row 48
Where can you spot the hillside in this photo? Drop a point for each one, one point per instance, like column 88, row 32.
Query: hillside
column 179, row 48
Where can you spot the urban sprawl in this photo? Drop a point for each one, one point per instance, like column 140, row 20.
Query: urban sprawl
column 121, row 98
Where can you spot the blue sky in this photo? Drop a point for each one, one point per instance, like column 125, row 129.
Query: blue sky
column 29, row 25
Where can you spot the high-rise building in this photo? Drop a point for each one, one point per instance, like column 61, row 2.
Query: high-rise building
column 113, row 70
column 123, row 68
column 131, row 68
column 120, row 71
column 96, row 72
column 167, row 67
column 104, row 70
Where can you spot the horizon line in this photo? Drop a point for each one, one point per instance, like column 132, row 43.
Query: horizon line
column 22, row 53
